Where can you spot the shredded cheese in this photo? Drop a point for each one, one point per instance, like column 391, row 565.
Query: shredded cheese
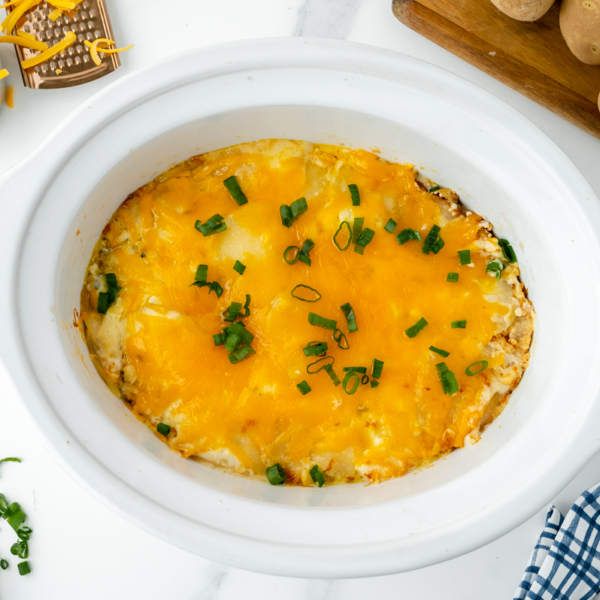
column 12, row 19
column 26, row 35
column 18, row 40
column 3, row 73
column 64, row 4
column 67, row 41
column 11, row 3
column 58, row 71
column 9, row 97
column 55, row 14
column 94, row 49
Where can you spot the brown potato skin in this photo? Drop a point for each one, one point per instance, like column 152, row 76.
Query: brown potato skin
column 524, row 10
column 580, row 26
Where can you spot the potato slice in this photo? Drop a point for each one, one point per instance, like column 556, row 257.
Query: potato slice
column 580, row 26
column 524, row 10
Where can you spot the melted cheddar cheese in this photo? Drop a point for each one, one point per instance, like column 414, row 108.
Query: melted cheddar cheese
column 154, row 346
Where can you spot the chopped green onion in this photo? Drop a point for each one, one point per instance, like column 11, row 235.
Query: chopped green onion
column 306, row 299
column 24, row 568
column 452, row 277
column 293, row 259
column 469, row 370
column 103, row 303
column 355, row 384
column 364, row 239
column 242, row 353
column 318, row 321
column 354, row 193
column 163, row 428
column 233, row 187
column 362, row 370
column 459, row 324
column 3, row 504
column 216, row 288
column 431, row 239
column 286, row 215
column 415, row 329
column 495, row 267
column 390, row 226
column 3, row 564
column 202, row 273
column 350, row 317
column 20, row 549
column 298, row 208
column 439, row 351
column 276, row 475
column 507, row 250
column 307, row 246
column 10, row 459
column 321, row 367
column 329, row 370
column 435, row 188
column 365, row 379
column 437, row 245
column 408, row 234
column 232, row 312
column 357, row 226
column 337, row 233
column 219, row 339
column 464, row 257
column 317, row 475
column 374, row 383
column 447, row 379
column 14, row 515
column 24, row 532
column 315, row 349
column 239, row 267
column 233, row 342
column 377, row 368
column 303, row 387
column 107, row 299
column 246, row 312
column 341, row 339
column 239, row 329
column 214, row 225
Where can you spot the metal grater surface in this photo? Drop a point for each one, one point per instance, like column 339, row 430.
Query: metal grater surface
column 89, row 21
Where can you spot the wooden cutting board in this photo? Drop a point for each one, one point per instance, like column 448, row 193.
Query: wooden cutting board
column 532, row 58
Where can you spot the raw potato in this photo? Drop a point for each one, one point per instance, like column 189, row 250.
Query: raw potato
column 524, row 10
column 580, row 26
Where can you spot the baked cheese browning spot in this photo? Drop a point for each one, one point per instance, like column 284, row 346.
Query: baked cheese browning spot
column 164, row 345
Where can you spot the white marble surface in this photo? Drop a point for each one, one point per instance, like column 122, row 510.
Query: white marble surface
column 80, row 549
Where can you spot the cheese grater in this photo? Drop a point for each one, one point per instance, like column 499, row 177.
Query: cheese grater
column 74, row 65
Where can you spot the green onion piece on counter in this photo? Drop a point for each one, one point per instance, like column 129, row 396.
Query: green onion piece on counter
column 319, row 321
column 464, row 257
column 163, row 428
column 452, row 277
column 339, row 232
column 377, row 368
column 390, row 226
column 233, row 187
column 483, row 365
column 291, row 259
column 495, row 267
column 350, row 317
column 241, row 354
column 431, row 239
column 298, row 208
column 447, row 379
column 20, row 549
column 303, row 387
column 232, row 312
column 233, row 342
column 315, row 349
column 341, row 339
column 408, row 234
column 317, row 475
column 14, row 515
column 202, row 273
column 214, row 225
column 357, row 226
column 329, row 370
column 3, row 564
column 311, row 295
column 362, row 370
column 24, row 532
column 276, row 475
column 354, row 194
column 435, row 188
column 415, row 329
column 439, row 351
column 364, row 239
column 355, row 383
column 462, row 324
column 3, row 505
column 374, row 383
column 10, row 459
column 239, row 329
column 24, row 568
column 219, row 339
column 286, row 215
column 507, row 251
column 239, row 267
column 318, row 362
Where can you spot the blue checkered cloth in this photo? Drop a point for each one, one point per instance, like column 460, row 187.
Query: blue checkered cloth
column 565, row 564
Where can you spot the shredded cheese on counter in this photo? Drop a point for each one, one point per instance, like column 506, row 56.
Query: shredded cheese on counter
column 21, row 40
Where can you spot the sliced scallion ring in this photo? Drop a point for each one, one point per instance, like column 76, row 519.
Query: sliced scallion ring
column 319, row 321
column 464, row 257
column 462, row 324
column 317, row 475
column 239, row 267
column 303, row 387
column 350, row 317
column 390, row 226
column 354, row 194
column 356, row 382
column 415, row 329
column 357, row 227
column 322, row 364
column 276, row 475
column 408, row 234
column 483, row 365
column 452, row 277
column 291, row 254
column 362, row 370
column 337, row 234
column 332, row 375
column 233, row 187
column 286, row 215
column 310, row 293
column 439, row 351
column 315, row 349
column 341, row 339
column 377, row 368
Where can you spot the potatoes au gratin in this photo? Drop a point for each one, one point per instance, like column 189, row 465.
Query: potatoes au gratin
column 306, row 313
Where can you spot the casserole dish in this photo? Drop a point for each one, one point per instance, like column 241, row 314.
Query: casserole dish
column 322, row 91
